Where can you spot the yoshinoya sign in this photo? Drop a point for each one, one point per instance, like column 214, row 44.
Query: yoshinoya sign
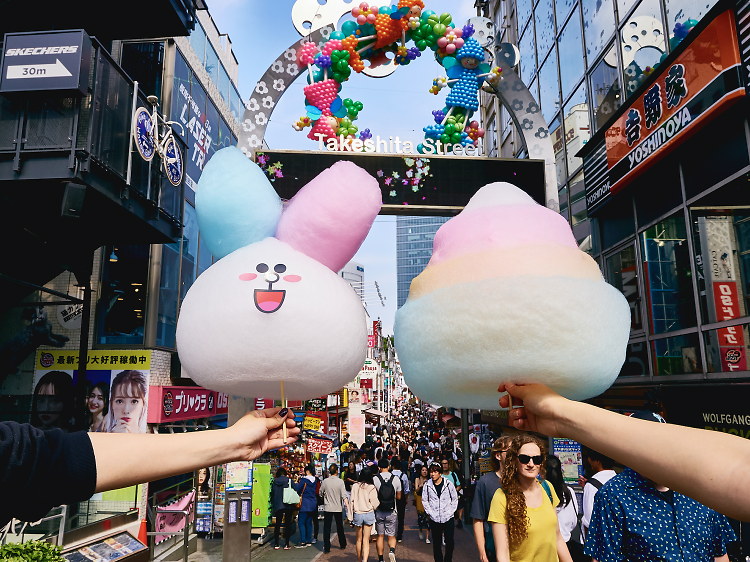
column 175, row 403
column 46, row 61
column 703, row 80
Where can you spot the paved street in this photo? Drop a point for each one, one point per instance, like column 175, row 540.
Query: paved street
column 411, row 550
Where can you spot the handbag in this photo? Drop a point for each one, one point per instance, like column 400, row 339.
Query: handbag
column 299, row 503
column 290, row 496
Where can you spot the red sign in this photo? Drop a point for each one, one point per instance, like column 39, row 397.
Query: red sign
column 175, row 403
column 731, row 340
column 365, row 383
column 371, row 341
column 322, row 446
column 263, row 403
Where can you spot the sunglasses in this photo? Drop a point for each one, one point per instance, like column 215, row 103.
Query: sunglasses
column 524, row 459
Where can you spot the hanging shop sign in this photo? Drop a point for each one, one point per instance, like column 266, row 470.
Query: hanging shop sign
column 720, row 408
column 569, row 453
column 702, row 81
column 51, row 61
column 322, row 446
column 316, row 404
column 175, row 403
column 312, row 423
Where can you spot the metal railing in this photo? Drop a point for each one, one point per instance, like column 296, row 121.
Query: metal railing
column 161, row 507
column 95, row 127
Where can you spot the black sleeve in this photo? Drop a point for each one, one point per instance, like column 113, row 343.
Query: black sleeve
column 43, row 469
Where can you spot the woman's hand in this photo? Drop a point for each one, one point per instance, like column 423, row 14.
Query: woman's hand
column 260, row 431
column 535, row 408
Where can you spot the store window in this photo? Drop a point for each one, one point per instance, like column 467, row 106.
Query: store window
column 643, row 44
column 556, row 133
column 491, row 137
column 562, row 9
column 549, row 87
column 528, row 56
column 650, row 203
column 198, row 42
column 212, row 63
column 599, row 25
column 166, row 323
column 605, row 88
column 235, row 102
column 545, row 27
column 677, row 355
column 668, row 278
column 727, row 349
column 680, row 11
column 205, row 259
column 622, row 274
column 571, row 55
column 722, row 261
column 523, row 13
column 224, row 84
column 577, row 129
column 212, row 129
column 636, row 361
column 225, row 135
column 144, row 62
column 623, row 7
column 562, row 196
column 197, row 143
column 616, row 221
column 189, row 251
column 122, row 304
column 181, row 96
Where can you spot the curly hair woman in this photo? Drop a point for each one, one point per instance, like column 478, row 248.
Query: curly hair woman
column 522, row 513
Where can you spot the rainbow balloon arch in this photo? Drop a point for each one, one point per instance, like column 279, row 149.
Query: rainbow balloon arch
column 406, row 31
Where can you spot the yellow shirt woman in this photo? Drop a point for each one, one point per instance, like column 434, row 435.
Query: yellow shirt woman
column 541, row 542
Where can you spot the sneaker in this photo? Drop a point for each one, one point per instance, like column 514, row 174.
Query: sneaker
column 443, row 541
column 460, row 524
column 392, row 556
column 276, row 547
column 314, row 541
column 420, row 535
column 300, row 545
column 427, row 541
column 400, row 540
column 287, row 547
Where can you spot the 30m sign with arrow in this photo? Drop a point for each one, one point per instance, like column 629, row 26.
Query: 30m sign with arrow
column 55, row 70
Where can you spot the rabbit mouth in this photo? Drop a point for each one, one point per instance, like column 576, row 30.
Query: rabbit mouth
column 268, row 300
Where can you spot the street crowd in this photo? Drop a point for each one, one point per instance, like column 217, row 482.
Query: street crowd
column 522, row 510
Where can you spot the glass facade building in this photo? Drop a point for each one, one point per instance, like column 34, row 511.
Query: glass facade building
column 414, row 237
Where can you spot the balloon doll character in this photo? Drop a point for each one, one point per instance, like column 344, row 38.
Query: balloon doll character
column 466, row 74
column 272, row 309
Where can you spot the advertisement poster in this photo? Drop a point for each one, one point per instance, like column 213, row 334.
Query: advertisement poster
column 322, row 446
column 117, row 384
column 175, row 403
column 357, row 428
column 105, row 550
column 569, row 453
column 175, row 522
column 239, row 476
column 313, row 423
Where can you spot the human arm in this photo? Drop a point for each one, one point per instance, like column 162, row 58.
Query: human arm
column 563, row 554
column 664, row 453
column 588, row 506
column 128, row 459
column 478, row 527
column 502, row 545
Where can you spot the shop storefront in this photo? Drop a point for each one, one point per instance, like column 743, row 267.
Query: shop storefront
column 666, row 189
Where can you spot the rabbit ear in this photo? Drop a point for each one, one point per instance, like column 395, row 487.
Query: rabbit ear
column 329, row 218
column 235, row 203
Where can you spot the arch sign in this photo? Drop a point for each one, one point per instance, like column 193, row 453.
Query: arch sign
column 377, row 42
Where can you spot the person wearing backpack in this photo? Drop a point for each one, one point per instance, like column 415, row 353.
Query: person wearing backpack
column 523, row 517
column 283, row 500
column 386, row 518
column 568, row 513
column 308, row 506
column 401, row 503
column 601, row 466
column 440, row 500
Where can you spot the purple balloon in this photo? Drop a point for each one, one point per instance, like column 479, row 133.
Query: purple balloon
column 439, row 116
column 468, row 31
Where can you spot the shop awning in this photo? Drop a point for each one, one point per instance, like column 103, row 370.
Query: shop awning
column 376, row 412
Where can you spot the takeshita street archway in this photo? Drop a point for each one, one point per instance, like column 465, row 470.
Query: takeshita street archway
column 377, row 43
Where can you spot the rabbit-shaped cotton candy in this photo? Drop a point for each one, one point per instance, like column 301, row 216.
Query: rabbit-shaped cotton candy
column 509, row 297
column 270, row 311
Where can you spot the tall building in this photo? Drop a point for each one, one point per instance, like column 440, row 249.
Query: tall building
column 354, row 274
column 414, row 237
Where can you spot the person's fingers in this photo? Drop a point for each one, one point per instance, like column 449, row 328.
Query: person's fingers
column 278, row 442
column 267, row 413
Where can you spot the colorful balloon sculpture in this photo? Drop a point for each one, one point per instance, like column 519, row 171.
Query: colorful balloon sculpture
column 376, row 31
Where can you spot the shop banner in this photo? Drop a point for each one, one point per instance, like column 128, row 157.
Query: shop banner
column 312, row 423
column 239, row 476
column 175, row 403
column 174, row 522
column 569, row 453
column 357, row 429
column 322, row 446
column 117, row 390
column 371, row 341
column 702, row 81
column 715, row 407
column 316, row 404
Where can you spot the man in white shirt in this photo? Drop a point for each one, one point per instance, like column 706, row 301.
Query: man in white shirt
column 601, row 466
column 386, row 517
column 400, row 503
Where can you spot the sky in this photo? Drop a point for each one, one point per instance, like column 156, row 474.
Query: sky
column 397, row 105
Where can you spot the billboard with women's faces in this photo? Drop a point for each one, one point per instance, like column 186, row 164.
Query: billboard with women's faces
column 116, row 390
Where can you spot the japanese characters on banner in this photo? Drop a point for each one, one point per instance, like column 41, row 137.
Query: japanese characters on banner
column 323, row 446
column 312, row 423
column 263, row 403
column 357, row 429
column 569, row 453
column 175, row 403
column 117, row 390
column 175, row 522
column 371, row 341
column 721, row 287
column 316, row 404
column 703, row 80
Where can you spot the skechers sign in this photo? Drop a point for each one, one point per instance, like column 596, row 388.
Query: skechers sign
column 703, row 80
column 51, row 61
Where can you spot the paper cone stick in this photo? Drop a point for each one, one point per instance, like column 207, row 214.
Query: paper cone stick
column 283, row 405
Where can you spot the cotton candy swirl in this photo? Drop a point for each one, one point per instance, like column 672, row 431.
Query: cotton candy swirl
column 509, row 297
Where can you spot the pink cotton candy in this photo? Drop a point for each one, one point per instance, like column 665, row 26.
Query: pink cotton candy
column 330, row 217
column 500, row 227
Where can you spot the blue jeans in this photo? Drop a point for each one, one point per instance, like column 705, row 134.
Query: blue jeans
column 305, row 526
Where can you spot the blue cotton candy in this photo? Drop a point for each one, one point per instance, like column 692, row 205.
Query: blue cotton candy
column 235, row 203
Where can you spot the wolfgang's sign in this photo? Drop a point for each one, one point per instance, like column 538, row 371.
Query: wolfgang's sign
column 703, row 80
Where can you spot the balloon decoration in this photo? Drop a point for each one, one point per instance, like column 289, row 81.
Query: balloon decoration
column 404, row 31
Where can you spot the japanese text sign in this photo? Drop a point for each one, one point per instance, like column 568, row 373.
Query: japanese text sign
column 322, row 446
column 312, row 423
column 52, row 360
column 175, row 403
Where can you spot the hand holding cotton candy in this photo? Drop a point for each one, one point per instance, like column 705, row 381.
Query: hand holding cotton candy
column 273, row 309
column 509, row 297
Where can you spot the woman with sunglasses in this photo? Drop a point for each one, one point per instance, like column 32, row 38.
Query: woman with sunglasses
column 522, row 513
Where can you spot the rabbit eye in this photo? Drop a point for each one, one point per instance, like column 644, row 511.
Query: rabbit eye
column 261, row 268
column 280, row 268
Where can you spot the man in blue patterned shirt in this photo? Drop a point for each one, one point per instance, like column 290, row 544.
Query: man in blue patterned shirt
column 636, row 519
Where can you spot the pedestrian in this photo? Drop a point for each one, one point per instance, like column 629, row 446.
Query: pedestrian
column 386, row 516
column 333, row 491
column 401, row 502
column 422, row 520
column 308, row 505
column 567, row 510
column 522, row 513
column 638, row 519
column 282, row 511
column 350, row 477
column 483, row 494
column 363, row 504
column 316, row 515
column 450, row 472
column 440, row 500
column 601, row 466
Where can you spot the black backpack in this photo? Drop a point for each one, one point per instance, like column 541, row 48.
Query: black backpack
column 386, row 494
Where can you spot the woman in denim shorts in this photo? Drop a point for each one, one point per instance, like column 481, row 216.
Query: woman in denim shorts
column 364, row 502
